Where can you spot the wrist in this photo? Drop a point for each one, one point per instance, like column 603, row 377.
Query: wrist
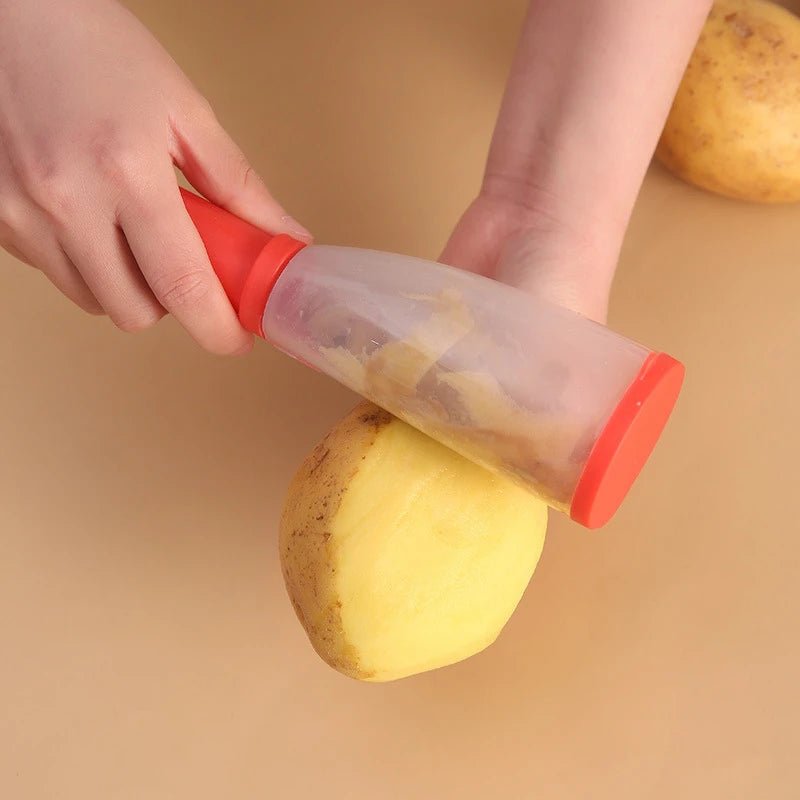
column 584, row 235
column 532, row 247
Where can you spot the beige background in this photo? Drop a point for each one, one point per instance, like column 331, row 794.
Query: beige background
column 147, row 647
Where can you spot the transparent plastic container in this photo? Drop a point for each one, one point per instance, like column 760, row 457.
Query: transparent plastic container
column 519, row 385
column 560, row 404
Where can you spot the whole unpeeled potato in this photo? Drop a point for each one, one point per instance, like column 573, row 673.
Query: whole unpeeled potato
column 734, row 127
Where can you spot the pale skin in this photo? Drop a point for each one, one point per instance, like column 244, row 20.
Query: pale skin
column 93, row 119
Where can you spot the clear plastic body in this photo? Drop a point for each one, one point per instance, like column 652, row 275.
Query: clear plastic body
column 518, row 385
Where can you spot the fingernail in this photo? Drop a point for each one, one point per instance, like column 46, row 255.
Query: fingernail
column 295, row 228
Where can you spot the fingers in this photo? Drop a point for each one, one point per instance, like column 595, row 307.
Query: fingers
column 61, row 272
column 109, row 270
column 173, row 262
column 34, row 244
column 216, row 167
column 135, row 262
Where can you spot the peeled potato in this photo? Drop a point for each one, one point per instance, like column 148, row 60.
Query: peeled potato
column 399, row 555
column 734, row 127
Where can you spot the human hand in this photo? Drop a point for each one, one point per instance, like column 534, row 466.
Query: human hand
column 535, row 251
column 94, row 115
column 586, row 100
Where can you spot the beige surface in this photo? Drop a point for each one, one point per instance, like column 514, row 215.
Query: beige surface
column 148, row 648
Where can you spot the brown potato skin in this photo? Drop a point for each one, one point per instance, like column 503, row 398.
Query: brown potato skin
column 313, row 499
column 734, row 126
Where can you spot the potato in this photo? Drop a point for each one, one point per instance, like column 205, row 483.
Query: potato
column 734, row 127
column 399, row 555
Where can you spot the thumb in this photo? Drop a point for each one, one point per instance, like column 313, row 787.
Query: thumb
column 558, row 270
column 213, row 163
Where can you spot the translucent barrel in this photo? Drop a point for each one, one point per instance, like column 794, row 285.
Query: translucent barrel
column 516, row 384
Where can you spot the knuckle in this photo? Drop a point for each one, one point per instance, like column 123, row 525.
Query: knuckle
column 247, row 177
column 118, row 156
column 32, row 171
column 56, row 192
column 10, row 219
column 242, row 169
column 198, row 109
column 50, row 183
column 184, row 289
column 121, row 166
column 203, row 109
column 243, row 178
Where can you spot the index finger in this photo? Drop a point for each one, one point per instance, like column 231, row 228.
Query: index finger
column 174, row 262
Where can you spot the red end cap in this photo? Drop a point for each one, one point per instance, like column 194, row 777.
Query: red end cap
column 247, row 260
column 627, row 440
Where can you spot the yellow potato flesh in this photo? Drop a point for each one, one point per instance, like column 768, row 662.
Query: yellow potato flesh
column 734, row 127
column 401, row 556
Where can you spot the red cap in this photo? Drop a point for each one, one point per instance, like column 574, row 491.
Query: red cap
column 627, row 440
column 247, row 260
